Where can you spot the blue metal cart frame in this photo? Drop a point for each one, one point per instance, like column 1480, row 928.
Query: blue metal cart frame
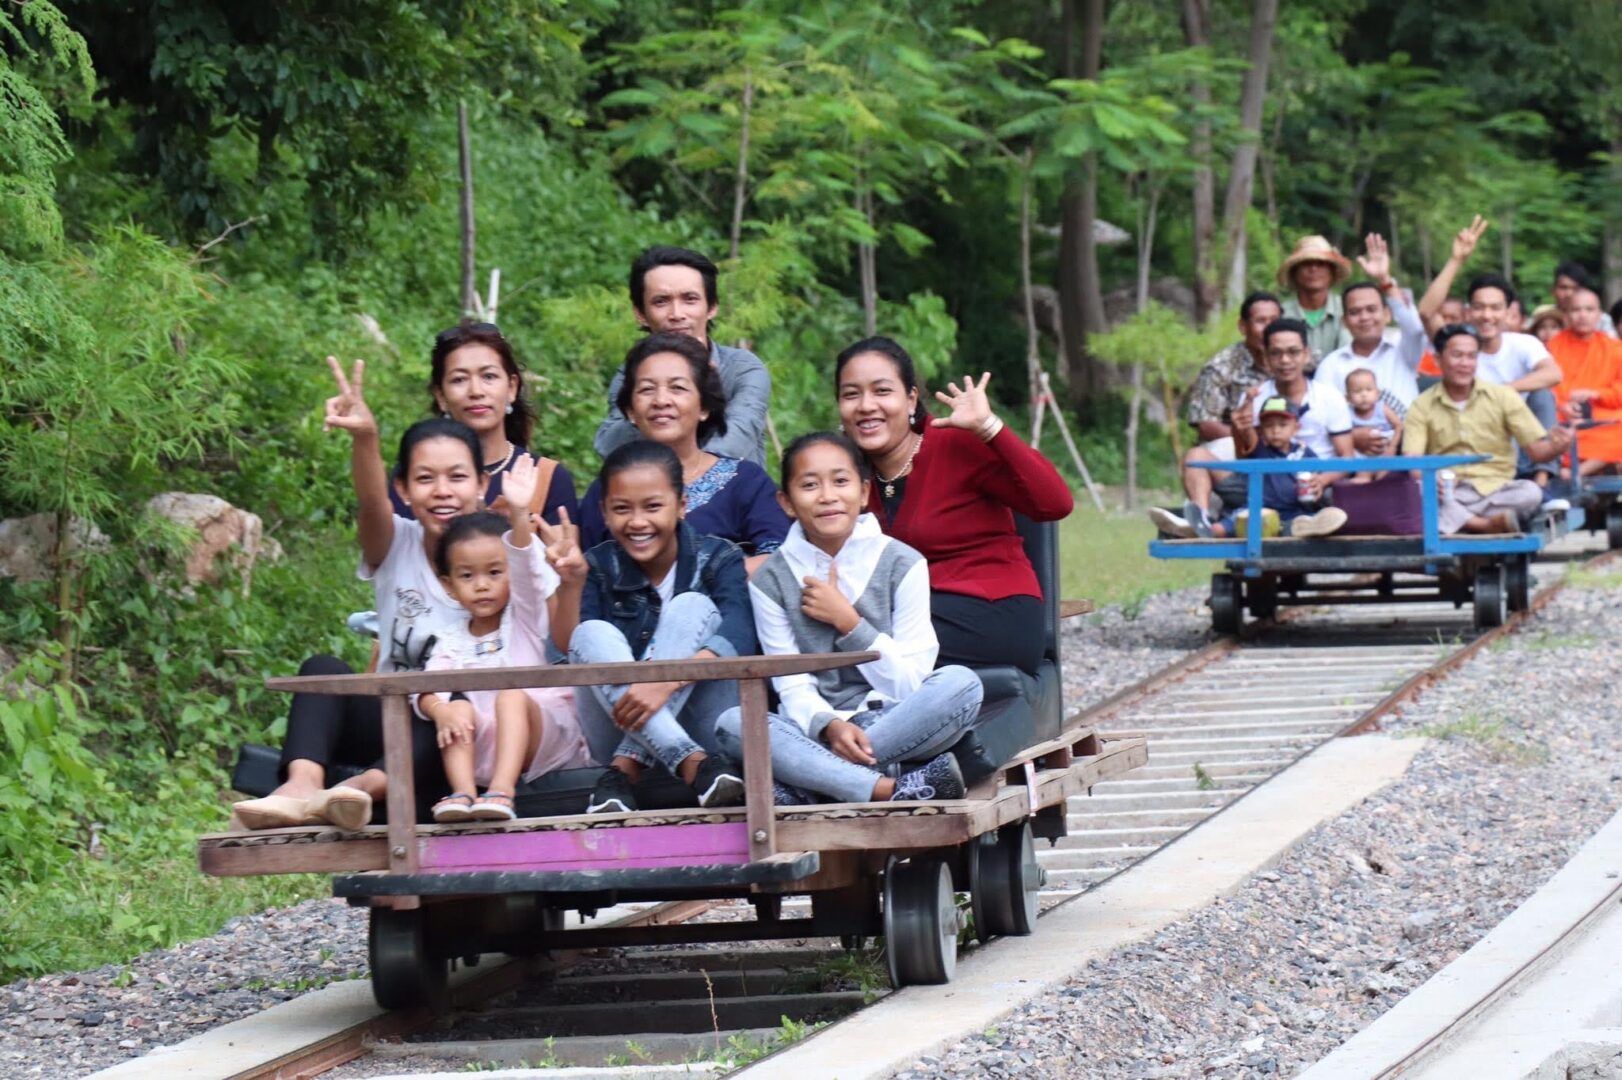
column 1491, row 571
column 1598, row 498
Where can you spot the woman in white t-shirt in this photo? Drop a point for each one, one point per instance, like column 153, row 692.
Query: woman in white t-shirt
column 439, row 476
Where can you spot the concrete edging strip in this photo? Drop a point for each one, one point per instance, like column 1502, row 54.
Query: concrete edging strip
column 1555, row 1015
column 1178, row 879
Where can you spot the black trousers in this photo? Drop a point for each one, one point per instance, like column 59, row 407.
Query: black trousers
column 337, row 730
column 978, row 633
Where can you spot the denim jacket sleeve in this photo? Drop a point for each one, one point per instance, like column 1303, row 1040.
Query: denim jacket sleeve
column 727, row 585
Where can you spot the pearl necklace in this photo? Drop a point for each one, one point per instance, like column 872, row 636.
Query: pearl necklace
column 889, row 483
column 501, row 466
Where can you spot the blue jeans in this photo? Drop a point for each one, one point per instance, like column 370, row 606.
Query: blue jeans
column 1542, row 404
column 686, row 723
column 927, row 723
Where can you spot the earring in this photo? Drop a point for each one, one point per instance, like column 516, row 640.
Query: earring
column 445, row 415
column 509, row 408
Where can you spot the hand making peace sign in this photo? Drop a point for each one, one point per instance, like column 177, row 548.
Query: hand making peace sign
column 348, row 409
column 1464, row 244
column 971, row 409
column 562, row 543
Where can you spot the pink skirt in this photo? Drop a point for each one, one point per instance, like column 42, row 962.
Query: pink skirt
column 562, row 746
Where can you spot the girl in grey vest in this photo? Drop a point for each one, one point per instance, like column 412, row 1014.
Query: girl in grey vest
column 874, row 731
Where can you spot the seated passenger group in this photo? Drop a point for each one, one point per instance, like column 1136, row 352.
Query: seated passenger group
column 895, row 536
column 1336, row 380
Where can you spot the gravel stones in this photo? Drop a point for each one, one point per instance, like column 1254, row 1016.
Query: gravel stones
column 76, row 1024
column 1523, row 769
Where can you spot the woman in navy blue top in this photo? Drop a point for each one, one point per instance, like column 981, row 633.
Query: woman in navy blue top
column 673, row 396
column 475, row 379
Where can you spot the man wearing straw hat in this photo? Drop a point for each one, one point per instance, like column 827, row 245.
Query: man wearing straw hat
column 1311, row 273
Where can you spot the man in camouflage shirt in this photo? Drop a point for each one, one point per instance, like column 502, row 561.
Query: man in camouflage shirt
column 1222, row 382
column 1227, row 382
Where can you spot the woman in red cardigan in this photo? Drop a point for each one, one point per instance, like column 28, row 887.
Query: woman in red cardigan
column 948, row 487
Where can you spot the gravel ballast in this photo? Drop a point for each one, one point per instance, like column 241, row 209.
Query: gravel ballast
column 1525, row 764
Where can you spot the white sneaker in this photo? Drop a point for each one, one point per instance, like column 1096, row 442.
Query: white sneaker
column 1170, row 524
column 1324, row 522
column 1556, row 505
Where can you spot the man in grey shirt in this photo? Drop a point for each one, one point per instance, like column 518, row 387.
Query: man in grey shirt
column 673, row 291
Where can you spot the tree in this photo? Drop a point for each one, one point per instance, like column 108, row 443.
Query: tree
column 34, row 33
column 1197, row 35
column 1241, row 176
column 1081, row 296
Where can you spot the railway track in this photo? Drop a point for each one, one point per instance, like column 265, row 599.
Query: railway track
column 1219, row 722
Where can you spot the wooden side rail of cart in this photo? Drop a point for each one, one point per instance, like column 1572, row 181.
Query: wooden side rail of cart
column 395, row 688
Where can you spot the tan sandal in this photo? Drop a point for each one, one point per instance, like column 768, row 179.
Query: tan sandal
column 271, row 812
column 346, row 807
column 494, row 806
column 457, row 806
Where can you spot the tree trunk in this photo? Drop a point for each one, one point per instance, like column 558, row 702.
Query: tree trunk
column 1197, row 34
column 1396, row 244
column 1425, row 253
column 1506, row 245
column 1134, row 408
column 470, row 288
column 1252, row 97
column 1081, row 297
column 865, row 267
column 1033, row 355
column 740, row 190
column 1613, row 220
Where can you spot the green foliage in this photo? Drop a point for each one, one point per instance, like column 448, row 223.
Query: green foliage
column 35, row 40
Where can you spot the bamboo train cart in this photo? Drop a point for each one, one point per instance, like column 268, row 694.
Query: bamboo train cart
column 1490, row 572
column 442, row 892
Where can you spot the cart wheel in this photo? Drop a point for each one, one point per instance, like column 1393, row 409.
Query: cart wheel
column 1262, row 596
column 1613, row 525
column 1225, row 613
column 1490, row 599
column 1518, row 582
column 404, row 975
column 920, row 922
column 1007, row 883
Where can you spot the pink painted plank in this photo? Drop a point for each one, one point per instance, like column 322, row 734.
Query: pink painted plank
column 590, row 849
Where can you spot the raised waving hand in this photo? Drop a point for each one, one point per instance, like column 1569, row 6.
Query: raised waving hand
column 348, row 409
column 1376, row 259
column 971, row 409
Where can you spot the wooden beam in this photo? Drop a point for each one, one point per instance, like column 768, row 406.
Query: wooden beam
column 759, row 807
column 402, row 789
column 518, row 678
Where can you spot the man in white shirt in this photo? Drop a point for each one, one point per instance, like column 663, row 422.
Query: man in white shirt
column 1368, row 306
column 1518, row 361
column 1325, row 418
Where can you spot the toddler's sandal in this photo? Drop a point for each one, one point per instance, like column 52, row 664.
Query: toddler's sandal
column 494, row 806
column 454, row 807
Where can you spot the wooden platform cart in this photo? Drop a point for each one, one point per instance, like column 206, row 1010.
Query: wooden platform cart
column 442, row 892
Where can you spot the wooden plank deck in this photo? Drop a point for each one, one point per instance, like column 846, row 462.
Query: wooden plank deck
column 1059, row 773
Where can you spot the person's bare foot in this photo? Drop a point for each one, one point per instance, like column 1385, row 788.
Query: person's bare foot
column 1501, row 521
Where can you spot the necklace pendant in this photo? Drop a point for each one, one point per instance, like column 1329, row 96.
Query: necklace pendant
column 889, row 491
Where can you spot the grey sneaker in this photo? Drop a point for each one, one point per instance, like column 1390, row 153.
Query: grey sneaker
column 1324, row 522
column 1170, row 524
column 784, row 795
column 718, row 783
column 938, row 778
column 1197, row 517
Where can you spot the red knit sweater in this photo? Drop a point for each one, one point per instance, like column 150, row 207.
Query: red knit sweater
column 958, row 510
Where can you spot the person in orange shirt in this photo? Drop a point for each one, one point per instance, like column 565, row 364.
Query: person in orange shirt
column 1591, row 363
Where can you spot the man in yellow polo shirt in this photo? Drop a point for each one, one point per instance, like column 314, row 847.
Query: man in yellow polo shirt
column 1461, row 415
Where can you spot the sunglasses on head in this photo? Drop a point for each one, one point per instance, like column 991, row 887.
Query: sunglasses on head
column 461, row 329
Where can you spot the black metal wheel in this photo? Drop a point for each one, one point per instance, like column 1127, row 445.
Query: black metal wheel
column 1489, row 597
column 1261, row 596
column 1613, row 525
column 920, row 922
column 404, row 974
column 1007, row 882
column 1518, row 582
column 1226, row 614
